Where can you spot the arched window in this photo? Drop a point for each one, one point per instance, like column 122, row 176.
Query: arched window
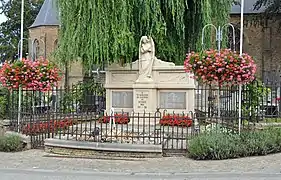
column 56, row 44
column 35, row 49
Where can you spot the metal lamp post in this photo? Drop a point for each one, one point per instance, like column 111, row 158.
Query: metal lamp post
column 241, row 52
column 21, row 29
column 20, row 58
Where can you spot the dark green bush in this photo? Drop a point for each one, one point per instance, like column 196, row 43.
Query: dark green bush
column 11, row 143
column 3, row 102
column 218, row 146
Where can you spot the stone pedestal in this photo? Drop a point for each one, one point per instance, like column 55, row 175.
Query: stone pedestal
column 144, row 97
column 172, row 89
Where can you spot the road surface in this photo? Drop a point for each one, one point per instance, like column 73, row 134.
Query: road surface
column 40, row 174
column 36, row 164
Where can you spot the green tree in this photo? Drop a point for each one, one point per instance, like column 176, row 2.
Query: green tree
column 100, row 31
column 10, row 30
column 272, row 6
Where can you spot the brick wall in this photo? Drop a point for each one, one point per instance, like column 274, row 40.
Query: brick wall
column 263, row 43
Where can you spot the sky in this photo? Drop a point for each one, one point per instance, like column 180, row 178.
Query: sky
column 2, row 18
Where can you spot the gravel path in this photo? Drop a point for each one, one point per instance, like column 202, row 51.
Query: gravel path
column 36, row 159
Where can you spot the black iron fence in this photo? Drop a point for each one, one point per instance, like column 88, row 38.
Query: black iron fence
column 78, row 98
column 78, row 114
column 260, row 102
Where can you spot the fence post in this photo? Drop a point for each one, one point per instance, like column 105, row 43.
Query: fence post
column 157, row 116
column 112, row 119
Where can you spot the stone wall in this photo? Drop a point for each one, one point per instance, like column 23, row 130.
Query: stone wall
column 263, row 43
column 101, row 150
column 47, row 37
column 75, row 74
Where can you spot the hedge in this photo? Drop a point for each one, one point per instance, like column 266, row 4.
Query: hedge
column 11, row 143
column 217, row 146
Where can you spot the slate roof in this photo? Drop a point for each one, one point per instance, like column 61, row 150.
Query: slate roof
column 248, row 8
column 48, row 15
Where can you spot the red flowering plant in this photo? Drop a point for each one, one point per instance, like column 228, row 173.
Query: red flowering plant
column 223, row 67
column 176, row 120
column 47, row 127
column 118, row 119
column 40, row 75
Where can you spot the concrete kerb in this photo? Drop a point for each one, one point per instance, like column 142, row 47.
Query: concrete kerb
column 104, row 147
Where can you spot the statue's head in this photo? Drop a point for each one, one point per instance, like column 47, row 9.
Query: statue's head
column 145, row 43
column 145, row 40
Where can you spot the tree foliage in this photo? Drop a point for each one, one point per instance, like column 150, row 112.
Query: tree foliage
column 272, row 6
column 105, row 31
column 10, row 30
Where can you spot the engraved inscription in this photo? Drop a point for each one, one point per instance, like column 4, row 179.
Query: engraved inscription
column 173, row 77
column 123, row 78
column 142, row 99
column 122, row 99
column 172, row 100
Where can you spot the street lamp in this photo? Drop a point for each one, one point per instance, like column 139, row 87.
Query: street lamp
column 241, row 51
column 21, row 51
column 21, row 29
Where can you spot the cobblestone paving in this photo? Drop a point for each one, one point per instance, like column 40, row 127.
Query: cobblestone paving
column 37, row 159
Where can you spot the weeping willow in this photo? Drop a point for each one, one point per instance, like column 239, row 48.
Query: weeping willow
column 106, row 31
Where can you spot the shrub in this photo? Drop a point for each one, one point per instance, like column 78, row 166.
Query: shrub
column 226, row 145
column 3, row 102
column 11, row 143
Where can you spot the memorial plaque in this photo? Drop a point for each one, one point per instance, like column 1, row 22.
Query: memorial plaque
column 172, row 100
column 122, row 99
column 142, row 99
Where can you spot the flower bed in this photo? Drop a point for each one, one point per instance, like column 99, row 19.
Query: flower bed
column 176, row 120
column 46, row 127
column 118, row 119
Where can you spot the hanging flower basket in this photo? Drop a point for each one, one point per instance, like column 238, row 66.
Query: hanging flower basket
column 40, row 75
column 221, row 68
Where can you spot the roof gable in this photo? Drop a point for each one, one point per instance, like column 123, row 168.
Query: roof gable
column 48, row 15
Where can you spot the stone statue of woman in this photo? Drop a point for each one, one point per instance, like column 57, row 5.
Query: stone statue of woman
column 146, row 58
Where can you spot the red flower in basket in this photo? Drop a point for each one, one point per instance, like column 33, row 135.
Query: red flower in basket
column 40, row 75
column 223, row 67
